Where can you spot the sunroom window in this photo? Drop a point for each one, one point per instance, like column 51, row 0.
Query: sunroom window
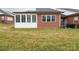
column 28, row 18
column 17, row 18
column 33, row 18
column 23, row 18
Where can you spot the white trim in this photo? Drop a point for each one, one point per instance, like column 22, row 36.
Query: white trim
column 20, row 18
column 25, row 24
column 75, row 18
column 46, row 18
column 36, row 18
column 25, row 18
column 50, row 18
column 30, row 19
column 55, row 18
column 42, row 18
column 14, row 19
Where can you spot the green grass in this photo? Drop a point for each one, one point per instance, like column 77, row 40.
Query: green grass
column 12, row 39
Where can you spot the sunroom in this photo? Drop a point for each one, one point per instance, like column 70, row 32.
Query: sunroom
column 25, row 21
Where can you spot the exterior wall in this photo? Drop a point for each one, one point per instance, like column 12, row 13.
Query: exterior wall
column 41, row 24
column 25, row 25
column 78, row 20
column 70, row 19
column 6, row 19
column 0, row 18
column 9, row 18
column 3, row 19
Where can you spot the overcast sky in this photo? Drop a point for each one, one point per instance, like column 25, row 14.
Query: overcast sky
column 39, row 4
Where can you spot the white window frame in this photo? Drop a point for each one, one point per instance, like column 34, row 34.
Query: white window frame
column 50, row 18
column 30, row 18
column 20, row 18
column 75, row 19
column 46, row 18
column 3, row 17
column 26, row 18
column 42, row 18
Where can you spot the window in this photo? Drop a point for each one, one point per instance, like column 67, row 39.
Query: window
column 28, row 18
column 75, row 18
column 48, row 18
column 23, row 18
column 33, row 18
column 3, row 17
column 44, row 18
column 53, row 18
column 17, row 18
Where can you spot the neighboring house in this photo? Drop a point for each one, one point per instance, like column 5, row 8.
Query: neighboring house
column 37, row 18
column 69, row 17
column 5, row 17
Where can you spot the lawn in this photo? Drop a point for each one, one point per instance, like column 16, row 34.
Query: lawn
column 12, row 39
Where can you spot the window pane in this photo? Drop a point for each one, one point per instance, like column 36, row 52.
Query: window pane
column 28, row 18
column 75, row 18
column 53, row 18
column 48, row 18
column 17, row 18
column 23, row 18
column 33, row 18
column 44, row 18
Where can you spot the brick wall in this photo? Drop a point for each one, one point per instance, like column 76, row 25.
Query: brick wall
column 41, row 24
column 6, row 20
column 70, row 19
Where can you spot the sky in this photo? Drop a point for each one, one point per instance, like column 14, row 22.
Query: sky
column 39, row 4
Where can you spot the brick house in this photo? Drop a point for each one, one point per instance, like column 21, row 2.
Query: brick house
column 5, row 17
column 37, row 18
column 69, row 17
column 40, row 17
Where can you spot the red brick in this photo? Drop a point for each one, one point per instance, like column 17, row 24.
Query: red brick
column 41, row 24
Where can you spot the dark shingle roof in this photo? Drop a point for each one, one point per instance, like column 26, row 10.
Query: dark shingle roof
column 70, row 9
column 36, row 10
column 46, row 10
column 11, row 11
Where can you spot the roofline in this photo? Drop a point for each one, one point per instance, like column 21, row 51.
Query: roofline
column 25, row 12
column 38, row 12
column 5, row 13
column 73, row 14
